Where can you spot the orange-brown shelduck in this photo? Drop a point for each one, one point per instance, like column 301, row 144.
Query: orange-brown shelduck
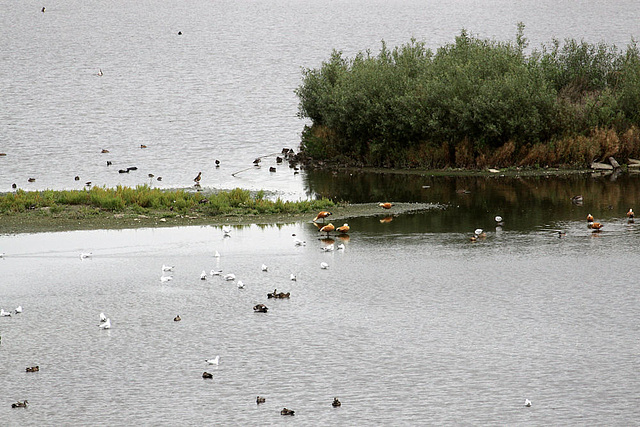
column 630, row 214
column 322, row 215
column 327, row 229
column 386, row 205
column 589, row 218
column 596, row 226
column 343, row 229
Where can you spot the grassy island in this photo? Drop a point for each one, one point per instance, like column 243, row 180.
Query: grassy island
column 124, row 207
column 474, row 103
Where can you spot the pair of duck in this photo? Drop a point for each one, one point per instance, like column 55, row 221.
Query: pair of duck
column 275, row 294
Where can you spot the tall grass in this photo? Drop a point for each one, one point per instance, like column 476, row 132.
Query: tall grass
column 146, row 199
column 471, row 102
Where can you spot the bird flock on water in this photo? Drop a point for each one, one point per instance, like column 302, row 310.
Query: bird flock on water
column 326, row 228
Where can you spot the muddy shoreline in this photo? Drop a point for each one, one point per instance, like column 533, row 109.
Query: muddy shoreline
column 39, row 221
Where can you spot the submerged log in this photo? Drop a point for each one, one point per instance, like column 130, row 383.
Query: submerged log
column 601, row 166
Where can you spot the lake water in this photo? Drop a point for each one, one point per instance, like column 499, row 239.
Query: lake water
column 224, row 89
column 412, row 324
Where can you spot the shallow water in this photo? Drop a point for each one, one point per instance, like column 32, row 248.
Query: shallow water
column 407, row 326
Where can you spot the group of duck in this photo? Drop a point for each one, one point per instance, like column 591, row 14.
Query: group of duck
column 594, row 226
column 343, row 229
column 24, row 403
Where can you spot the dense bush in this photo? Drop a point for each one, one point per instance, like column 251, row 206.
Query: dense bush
column 474, row 100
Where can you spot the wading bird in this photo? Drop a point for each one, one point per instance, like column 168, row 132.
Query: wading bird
column 343, row 229
column 322, row 215
column 327, row 229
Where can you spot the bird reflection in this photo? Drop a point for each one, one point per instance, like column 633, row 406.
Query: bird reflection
column 344, row 238
column 386, row 219
column 328, row 241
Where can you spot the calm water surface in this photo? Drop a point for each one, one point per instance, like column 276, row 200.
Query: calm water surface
column 224, row 89
column 411, row 324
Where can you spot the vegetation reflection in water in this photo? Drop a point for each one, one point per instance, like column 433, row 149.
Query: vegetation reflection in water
column 469, row 202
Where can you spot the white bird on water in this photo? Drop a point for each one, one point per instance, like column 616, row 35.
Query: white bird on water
column 264, row 267
column 86, row 255
column 230, row 277
column 324, row 265
column 226, row 231
column 167, row 267
column 240, row 284
column 5, row 313
column 329, row 248
column 19, row 309
column 166, row 278
column 103, row 318
column 105, row 325
column 203, row 275
column 527, row 403
column 217, row 254
column 293, row 277
column 216, row 272
column 214, row 361
column 341, row 247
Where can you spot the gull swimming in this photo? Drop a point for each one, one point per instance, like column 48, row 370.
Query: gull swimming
column 527, row 403
column 341, row 247
column 86, row 255
column 264, row 267
column 230, row 276
column 203, row 275
column 105, row 325
column 167, row 267
column 103, row 318
column 166, row 278
column 5, row 313
column 217, row 254
column 293, row 277
column 328, row 248
column 19, row 309
column 240, row 284
column 324, row 265
column 216, row 272
column 214, row 361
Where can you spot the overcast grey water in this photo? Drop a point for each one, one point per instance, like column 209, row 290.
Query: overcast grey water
column 224, row 88
column 411, row 324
